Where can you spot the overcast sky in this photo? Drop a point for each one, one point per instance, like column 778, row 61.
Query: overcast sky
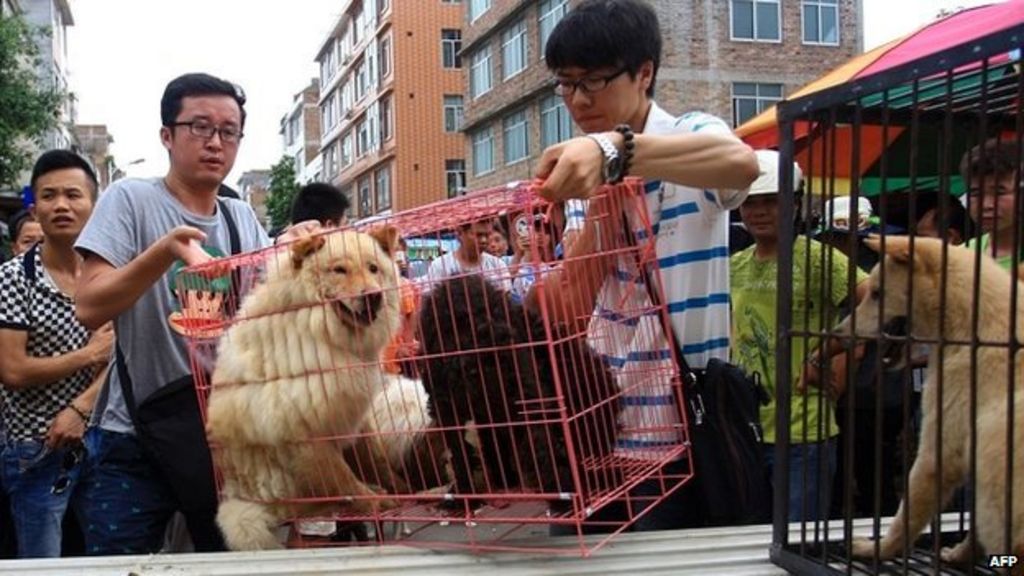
column 123, row 53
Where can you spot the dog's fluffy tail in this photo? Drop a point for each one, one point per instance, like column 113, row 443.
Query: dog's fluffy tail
column 247, row 525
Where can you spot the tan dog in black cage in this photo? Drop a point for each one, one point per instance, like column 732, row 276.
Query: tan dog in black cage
column 943, row 465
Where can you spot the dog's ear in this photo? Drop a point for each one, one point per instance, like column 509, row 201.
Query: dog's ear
column 387, row 237
column 897, row 248
column 304, row 247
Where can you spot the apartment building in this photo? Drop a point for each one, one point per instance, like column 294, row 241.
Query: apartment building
column 54, row 17
column 300, row 133
column 732, row 58
column 391, row 83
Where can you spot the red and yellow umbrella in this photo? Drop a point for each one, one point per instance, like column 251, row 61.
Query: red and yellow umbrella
column 964, row 26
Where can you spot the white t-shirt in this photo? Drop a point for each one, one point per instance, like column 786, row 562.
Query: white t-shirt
column 491, row 267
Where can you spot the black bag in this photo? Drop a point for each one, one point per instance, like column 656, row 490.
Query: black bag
column 170, row 428
column 730, row 485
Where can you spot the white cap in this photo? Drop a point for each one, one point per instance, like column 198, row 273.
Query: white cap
column 837, row 215
column 768, row 181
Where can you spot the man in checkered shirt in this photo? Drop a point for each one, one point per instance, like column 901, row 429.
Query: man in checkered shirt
column 50, row 365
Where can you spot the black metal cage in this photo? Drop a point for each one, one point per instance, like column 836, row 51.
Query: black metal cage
column 928, row 389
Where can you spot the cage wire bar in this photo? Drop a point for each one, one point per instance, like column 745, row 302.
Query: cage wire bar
column 922, row 118
column 499, row 424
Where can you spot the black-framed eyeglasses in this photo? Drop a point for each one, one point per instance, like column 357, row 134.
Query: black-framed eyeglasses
column 72, row 458
column 206, row 130
column 587, row 84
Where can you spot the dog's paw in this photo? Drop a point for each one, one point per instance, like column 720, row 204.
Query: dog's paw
column 863, row 548
column 959, row 555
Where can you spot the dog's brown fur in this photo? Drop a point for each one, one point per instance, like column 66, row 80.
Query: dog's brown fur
column 992, row 374
column 296, row 376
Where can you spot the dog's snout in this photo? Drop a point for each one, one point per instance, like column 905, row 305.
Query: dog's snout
column 374, row 300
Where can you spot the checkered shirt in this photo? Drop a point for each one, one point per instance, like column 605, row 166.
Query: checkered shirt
column 48, row 317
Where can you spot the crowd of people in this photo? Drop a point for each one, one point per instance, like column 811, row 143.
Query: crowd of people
column 88, row 362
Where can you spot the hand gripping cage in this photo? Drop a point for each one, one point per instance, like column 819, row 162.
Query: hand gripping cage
column 447, row 405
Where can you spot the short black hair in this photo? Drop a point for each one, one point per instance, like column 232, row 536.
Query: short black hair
column 196, row 84
column 59, row 159
column 607, row 33
column 994, row 157
column 319, row 201
column 16, row 222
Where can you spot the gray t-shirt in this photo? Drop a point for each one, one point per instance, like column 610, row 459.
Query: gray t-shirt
column 130, row 216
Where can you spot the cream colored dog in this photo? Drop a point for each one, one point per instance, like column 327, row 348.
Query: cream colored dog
column 993, row 380
column 295, row 378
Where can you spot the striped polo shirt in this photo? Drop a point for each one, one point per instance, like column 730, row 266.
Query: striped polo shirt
column 691, row 228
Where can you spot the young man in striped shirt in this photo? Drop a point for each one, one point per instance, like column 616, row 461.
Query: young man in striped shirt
column 605, row 56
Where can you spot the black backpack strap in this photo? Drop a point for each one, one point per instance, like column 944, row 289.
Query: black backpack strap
column 126, row 385
column 28, row 263
column 236, row 242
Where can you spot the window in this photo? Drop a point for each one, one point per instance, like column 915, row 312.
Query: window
column 750, row 99
column 755, row 20
column 346, row 149
column 555, row 122
column 382, row 187
column 383, row 5
column 480, row 81
column 477, row 8
column 451, row 45
column 483, row 151
column 331, row 160
column 513, row 49
column 385, row 119
column 452, row 112
column 515, row 128
column 384, row 58
column 348, row 192
column 362, row 139
column 365, row 201
column 549, row 12
column 361, row 81
column 821, row 22
column 455, row 177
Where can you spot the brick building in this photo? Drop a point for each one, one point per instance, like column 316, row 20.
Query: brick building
column 387, row 72
column 732, row 58
column 300, row 133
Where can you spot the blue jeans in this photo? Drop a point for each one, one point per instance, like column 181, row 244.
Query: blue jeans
column 123, row 501
column 808, row 498
column 30, row 471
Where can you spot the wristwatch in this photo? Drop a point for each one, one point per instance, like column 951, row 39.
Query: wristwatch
column 612, row 169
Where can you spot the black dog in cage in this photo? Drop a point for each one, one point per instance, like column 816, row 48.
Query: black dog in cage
column 487, row 359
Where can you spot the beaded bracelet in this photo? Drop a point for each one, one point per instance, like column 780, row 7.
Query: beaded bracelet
column 81, row 414
column 628, row 144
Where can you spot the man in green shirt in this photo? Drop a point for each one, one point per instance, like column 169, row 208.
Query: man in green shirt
column 820, row 281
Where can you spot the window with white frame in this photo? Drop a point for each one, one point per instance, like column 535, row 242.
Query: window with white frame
column 455, row 177
column 331, row 160
column 365, row 200
column 361, row 81
column 382, row 188
column 346, row 149
column 362, row 139
column 555, row 122
column 385, row 119
column 384, row 58
column 477, row 8
column 515, row 130
column 480, row 79
column 451, row 45
column 383, row 5
column 452, row 112
column 821, row 22
column 349, row 193
column 756, row 20
column 750, row 99
column 483, row 151
column 513, row 49
column 549, row 13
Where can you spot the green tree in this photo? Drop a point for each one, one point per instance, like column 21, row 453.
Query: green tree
column 27, row 108
column 283, row 188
